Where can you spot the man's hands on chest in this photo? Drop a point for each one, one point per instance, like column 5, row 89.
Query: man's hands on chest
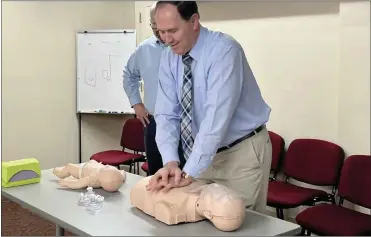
column 170, row 176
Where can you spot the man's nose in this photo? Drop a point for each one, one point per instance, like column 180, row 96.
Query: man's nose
column 168, row 39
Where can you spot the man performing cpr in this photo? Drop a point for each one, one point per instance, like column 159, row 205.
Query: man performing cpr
column 209, row 100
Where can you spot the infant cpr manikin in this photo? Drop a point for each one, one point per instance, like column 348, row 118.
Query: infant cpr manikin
column 90, row 174
column 196, row 202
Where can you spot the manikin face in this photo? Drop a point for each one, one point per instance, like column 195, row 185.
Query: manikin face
column 223, row 208
column 181, row 35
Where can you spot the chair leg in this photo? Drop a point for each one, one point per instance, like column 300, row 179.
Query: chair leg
column 135, row 168
column 302, row 233
column 130, row 165
column 279, row 212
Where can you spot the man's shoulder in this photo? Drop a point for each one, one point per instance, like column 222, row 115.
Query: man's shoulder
column 219, row 44
column 149, row 42
column 218, row 39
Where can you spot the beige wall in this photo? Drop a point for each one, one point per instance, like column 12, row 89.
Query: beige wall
column 310, row 59
column 354, row 77
column 39, row 79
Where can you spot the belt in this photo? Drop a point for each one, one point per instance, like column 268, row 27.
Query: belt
column 241, row 139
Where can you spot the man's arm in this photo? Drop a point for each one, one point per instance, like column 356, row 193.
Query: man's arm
column 167, row 113
column 131, row 79
column 225, row 82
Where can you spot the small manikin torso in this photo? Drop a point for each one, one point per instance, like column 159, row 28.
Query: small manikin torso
column 91, row 169
column 174, row 207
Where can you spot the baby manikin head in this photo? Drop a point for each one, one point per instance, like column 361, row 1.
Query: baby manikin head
column 111, row 178
column 222, row 206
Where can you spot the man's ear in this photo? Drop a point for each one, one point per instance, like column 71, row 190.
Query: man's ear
column 195, row 21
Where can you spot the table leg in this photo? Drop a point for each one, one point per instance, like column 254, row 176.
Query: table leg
column 59, row 231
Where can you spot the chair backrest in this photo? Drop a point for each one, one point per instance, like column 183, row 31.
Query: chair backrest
column 278, row 150
column 132, row 136
column 314, row 161
column 355, row 180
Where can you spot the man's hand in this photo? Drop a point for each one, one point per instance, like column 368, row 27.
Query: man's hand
column 141, row 113
column 183, row 182
column 162, row 177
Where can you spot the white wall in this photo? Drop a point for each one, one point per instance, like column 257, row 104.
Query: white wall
column 354, row 77
column 39, row 79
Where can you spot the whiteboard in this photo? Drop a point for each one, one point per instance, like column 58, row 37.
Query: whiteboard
column 101, row 58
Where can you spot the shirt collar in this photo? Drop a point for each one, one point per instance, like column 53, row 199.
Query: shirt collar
column 195, row 52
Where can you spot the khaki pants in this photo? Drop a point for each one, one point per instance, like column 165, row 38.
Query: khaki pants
column 244, row 168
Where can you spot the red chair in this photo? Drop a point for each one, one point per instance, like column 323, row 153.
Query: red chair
column 332, row 219
column 132, row 138
column 311, row 161
column 145, row 167
column 278, row 151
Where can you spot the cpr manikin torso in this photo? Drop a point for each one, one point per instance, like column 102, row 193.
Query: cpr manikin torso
column 90, row 174
column 196, row 202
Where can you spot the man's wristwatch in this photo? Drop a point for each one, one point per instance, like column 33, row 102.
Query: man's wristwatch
column 186, row 176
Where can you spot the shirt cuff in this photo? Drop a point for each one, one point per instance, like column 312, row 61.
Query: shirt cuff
column 196, row 165
column 170, row 155
column 135, row 99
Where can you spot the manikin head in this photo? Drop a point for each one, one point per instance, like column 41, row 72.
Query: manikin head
column 222, row 206
column 178, row 24
column 111, row 178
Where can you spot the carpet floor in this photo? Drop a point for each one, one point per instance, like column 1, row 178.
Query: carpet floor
column 17, row 221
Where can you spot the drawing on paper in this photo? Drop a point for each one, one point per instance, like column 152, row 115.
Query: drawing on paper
column 90, row 77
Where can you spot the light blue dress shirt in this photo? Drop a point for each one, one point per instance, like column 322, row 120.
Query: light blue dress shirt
column 143, row 64
column 227, row 102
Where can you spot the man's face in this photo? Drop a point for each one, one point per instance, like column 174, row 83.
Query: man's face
column 173, row 30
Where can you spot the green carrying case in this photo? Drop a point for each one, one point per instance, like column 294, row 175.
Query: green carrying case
column 20, row 172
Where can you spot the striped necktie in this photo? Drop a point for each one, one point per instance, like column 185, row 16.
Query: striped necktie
column 186, row 112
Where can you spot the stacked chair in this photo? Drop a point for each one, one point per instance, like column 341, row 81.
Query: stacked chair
column 321, row 163
column 332, row 219
column 312, row 161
